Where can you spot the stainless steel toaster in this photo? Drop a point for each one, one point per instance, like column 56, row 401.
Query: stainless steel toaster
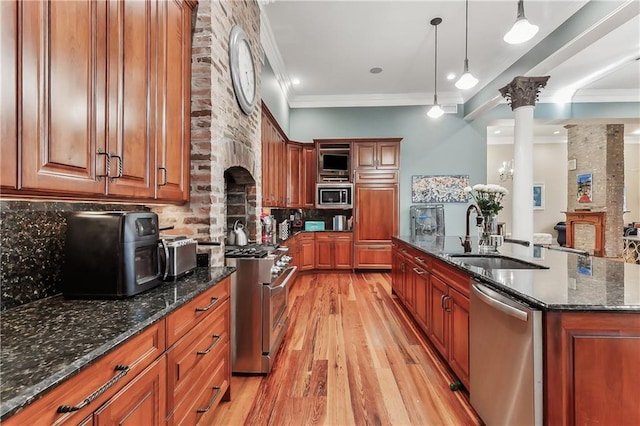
column 179, row 254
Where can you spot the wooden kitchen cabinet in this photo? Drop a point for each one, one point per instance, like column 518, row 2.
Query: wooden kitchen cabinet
column 307, row 251
column 274, row 161
column 9, row 94
column 580, row 385
column 174, row 109
column 142, row 401
column 309, row 174
column 398, row 272
column 437, row 297
column 295, row 175
column 107, row 99
column 333, row 250
column 378, row 154
column 373, row 229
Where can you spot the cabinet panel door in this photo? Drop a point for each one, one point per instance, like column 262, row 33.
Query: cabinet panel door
column 307, row 255
column 309, row 175
column 142, row 401
column 388, row 155
column 173, row 117
column 343, row 253
column 8, row 94
column 132, row 97
column 324, row 253
column 364, row 155
column 459, row 339
column 438, row 324
column 371, row 226
column 294, row 176
column 398, row 273
column 63, row 61
column 421, row 278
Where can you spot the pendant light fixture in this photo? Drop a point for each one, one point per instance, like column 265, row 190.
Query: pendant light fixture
column 435, row 110
column 521, row 30
column 466, row 80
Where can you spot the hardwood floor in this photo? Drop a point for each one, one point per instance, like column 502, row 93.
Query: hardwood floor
column 350, row 357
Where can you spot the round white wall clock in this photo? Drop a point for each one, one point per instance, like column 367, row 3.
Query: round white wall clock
column 243, row 70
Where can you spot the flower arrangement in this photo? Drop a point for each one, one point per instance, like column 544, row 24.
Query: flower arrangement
column 487, row 197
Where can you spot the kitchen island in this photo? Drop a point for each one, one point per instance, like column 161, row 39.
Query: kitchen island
column 590, row 320
column 48, row 344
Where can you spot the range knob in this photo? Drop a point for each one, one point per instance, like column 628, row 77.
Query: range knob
column 281, row 263
column 275, row 270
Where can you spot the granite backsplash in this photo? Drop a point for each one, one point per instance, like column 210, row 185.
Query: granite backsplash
column 32, row 247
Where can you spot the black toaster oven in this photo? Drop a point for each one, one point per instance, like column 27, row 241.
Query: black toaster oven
column 111, row 254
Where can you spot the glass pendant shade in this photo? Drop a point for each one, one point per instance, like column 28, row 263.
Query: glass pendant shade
column 466, row 80
column 435, row 110
column 522, row 30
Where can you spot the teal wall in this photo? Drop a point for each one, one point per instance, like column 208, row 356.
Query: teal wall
column 446, row 146
column 273, row 97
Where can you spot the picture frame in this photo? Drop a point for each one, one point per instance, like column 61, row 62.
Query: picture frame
column 439, row 188
column 538, row 196
column 585, row 185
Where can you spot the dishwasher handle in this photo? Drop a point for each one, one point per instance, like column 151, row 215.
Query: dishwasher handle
column 485, row 294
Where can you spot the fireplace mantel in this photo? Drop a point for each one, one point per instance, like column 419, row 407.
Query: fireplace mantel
column 591, row 218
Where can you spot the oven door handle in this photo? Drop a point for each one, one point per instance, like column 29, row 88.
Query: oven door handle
column 288, row 271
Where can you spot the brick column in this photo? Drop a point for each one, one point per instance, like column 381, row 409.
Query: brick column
column 599, row 149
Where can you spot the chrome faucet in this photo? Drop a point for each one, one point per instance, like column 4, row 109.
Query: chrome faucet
column 466, row 243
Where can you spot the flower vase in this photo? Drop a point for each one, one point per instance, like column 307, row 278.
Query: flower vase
column 489, row 227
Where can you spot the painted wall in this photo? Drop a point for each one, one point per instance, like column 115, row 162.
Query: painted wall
column 550, row 168
column 273, row 96
column 447, row 146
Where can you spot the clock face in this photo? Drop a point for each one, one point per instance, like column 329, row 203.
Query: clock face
column 243, row 72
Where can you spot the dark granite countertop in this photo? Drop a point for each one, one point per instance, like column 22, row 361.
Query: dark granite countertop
column 571, row 282
column 47, row 341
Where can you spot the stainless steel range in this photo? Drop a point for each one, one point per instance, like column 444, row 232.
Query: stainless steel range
column 259, row 319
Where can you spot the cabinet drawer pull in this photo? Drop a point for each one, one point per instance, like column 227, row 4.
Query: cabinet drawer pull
column 164, row 174
column 214, row 300
column 120, row 167
column 215, row 396
column 123, row 370
column 107, row 165
column 216, row 339
column 442, row 302
column 419, row 259
column 419, row 271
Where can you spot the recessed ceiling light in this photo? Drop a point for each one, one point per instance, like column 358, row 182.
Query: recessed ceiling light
column 636, row 132
column 375, row 70
column 557, row 132
column 497, row 132
column 451, row 76
column 295, row 81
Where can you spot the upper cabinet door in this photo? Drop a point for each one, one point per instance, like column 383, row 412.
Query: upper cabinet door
column 131, row 95
column 8, row 94
column 62, row 88
column 174, row 80
column 364, row 155
column 388, row 155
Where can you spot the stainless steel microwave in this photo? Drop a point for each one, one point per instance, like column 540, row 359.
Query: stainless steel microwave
column 334, row 195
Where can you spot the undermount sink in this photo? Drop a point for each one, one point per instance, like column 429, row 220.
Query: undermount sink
column 493, row 261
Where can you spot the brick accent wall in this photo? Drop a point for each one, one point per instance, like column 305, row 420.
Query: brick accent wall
column 599, row 150
column 222, row 136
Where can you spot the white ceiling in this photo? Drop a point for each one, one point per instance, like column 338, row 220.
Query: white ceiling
column 330, row 46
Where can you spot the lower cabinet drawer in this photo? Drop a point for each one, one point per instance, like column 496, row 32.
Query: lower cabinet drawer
column 373, row 256
column 185, row 318
column 193, row 355
column 203, row 398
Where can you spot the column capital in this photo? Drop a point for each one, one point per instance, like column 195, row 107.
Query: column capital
column 523, row 91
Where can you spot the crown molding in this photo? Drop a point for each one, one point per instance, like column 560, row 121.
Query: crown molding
column 271, row 51
column 597, row 95
column 449, row 101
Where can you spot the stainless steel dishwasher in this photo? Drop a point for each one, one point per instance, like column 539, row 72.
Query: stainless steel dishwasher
column 505, row 357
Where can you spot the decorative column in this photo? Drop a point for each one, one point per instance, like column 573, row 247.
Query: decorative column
column 522, row 94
